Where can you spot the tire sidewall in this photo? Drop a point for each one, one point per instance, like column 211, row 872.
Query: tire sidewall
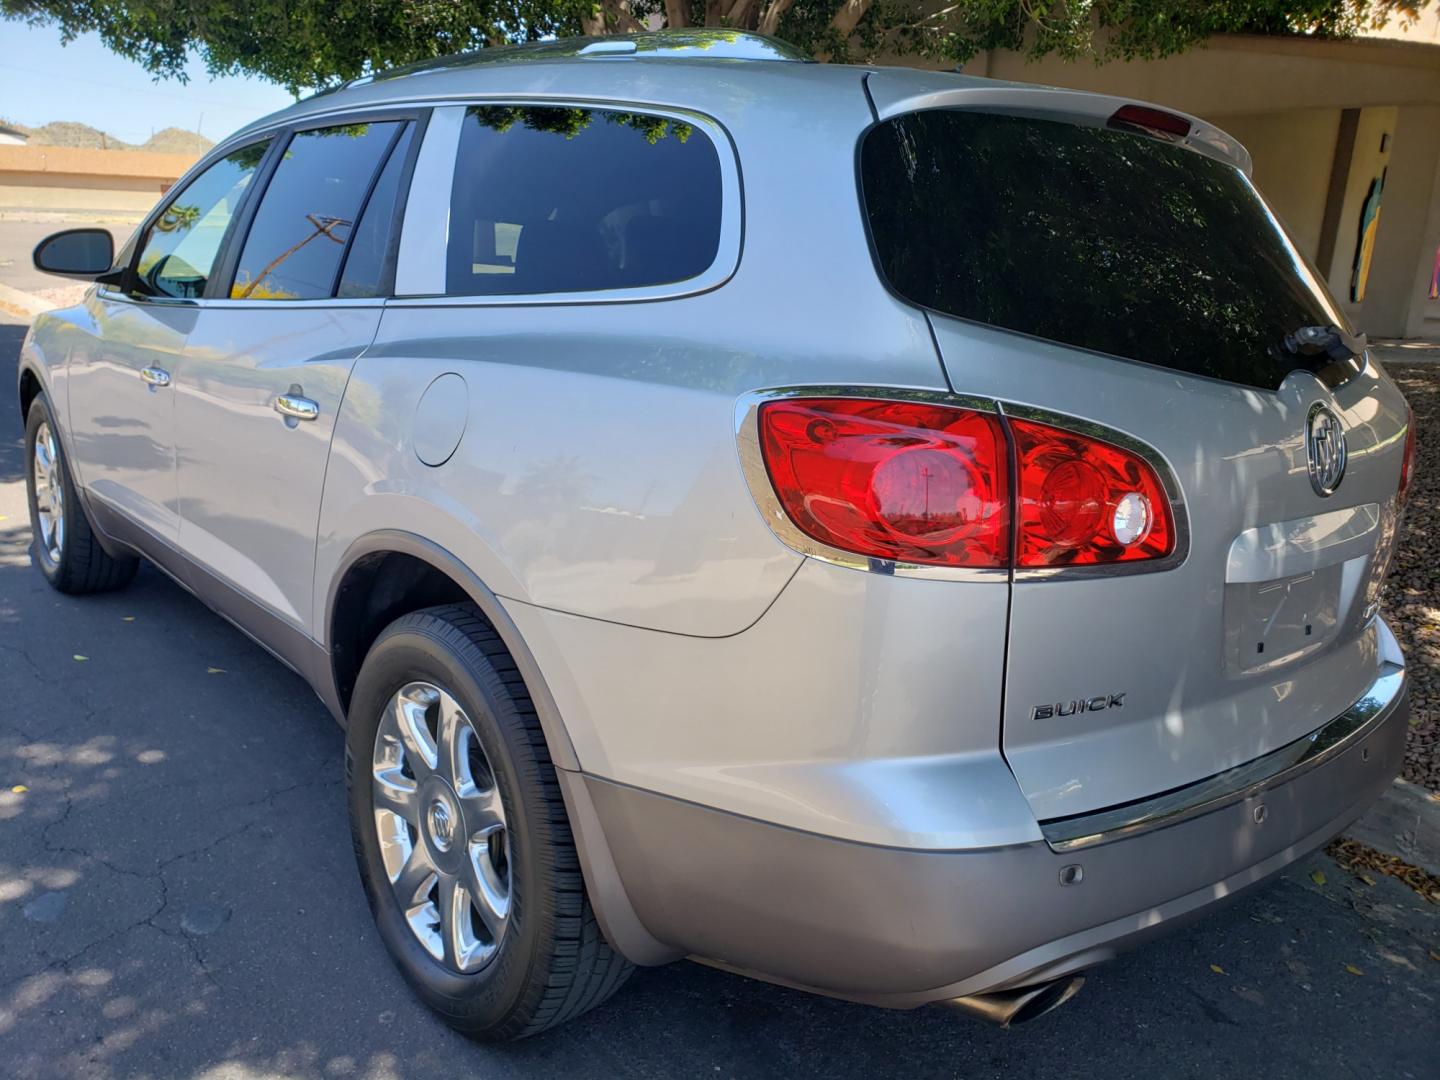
column 413, row 650
column 39, row 413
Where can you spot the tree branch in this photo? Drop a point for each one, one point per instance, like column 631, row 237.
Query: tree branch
column 610, row 17
column 849, row 16
column 739, row 12
column 773, row 13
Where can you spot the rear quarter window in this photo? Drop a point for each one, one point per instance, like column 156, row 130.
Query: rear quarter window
column 558, row 199
column 1104, row 239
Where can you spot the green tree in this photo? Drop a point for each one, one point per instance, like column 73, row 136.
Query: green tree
column 316, row 43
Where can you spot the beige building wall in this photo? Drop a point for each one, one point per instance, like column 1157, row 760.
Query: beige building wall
column 1293, row 152
column 77, row 179
column 1374, row 139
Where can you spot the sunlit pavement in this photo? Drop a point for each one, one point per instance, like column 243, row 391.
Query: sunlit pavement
column 178, row 899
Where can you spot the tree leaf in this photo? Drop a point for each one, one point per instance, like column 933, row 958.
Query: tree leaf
column 1353, row 969
column 1367, row 879
column 127, row 618
column 214, row 671
column 20, row 789
column 80, row 658
column 1217, row 969
column 1317, row 876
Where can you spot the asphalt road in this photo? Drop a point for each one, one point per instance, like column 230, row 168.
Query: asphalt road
column 178, row 899
column 18, row 239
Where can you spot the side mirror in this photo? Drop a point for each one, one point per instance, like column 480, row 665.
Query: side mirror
column 76, row 253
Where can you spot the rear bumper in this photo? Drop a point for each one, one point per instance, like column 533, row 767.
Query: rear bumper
column 902, row 927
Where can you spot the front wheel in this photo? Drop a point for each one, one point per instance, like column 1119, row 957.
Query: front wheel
column 461, row 836
column 64, row 545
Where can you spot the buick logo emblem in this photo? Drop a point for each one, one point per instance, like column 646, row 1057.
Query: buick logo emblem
column 1325, row 447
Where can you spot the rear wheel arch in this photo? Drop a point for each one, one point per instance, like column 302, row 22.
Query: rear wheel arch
column 387, row 574
column 30, row 388
column 390, row 573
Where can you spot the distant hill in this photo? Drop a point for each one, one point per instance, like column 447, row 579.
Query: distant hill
column 68, row 133
column 173, row 140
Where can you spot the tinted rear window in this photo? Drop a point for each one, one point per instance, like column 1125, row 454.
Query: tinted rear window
column 1103, row 239
column 557, row 199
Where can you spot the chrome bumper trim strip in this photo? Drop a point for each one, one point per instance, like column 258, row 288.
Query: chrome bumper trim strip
column 1277, row 767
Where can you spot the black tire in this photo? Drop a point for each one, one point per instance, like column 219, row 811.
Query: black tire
column 552, row 962
column 83, row 566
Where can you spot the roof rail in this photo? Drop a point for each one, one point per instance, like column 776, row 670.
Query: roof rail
column 699, row 43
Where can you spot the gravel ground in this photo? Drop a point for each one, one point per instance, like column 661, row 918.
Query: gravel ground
column 1412, row 599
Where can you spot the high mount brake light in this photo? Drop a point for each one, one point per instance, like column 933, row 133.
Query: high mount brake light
column 930, row 484
column 1151, row 121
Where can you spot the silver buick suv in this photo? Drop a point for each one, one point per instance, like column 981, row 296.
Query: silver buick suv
column 895, row 534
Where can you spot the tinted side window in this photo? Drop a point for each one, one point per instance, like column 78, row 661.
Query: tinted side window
column 178, row 253
column 550, row 199
column 370, row 246
column 1108, row 240
column 300, row 231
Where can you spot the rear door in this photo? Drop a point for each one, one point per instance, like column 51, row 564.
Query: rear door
column 1120, row 281
column 265, row 367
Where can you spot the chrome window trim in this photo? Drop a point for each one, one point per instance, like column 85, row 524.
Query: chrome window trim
column 752, row 464
column 115, row 297
column 1245, row 781
column 747, row 431
column 420, row 269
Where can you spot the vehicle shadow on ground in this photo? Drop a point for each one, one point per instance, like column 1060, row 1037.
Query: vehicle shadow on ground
column 178, row 898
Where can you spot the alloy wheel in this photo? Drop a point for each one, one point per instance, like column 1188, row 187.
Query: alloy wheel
column 441, row 826
column 49, row 493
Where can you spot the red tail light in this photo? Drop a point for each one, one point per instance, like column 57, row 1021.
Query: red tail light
column 1084, row 502
column 1407, row 464
column 921, row 483
column 891, row 480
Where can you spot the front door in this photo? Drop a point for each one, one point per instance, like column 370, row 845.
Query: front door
column 261, row 381
column 121, row 379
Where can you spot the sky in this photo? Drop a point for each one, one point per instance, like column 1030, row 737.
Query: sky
column 42, row 80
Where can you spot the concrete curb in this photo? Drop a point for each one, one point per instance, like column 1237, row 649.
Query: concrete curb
column 1404, row 823
column 21, row 304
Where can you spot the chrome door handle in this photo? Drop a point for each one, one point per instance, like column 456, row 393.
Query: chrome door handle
column 155, row 376
column 296, row 407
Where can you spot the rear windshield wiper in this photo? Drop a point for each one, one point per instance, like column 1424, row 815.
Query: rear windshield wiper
column 1327, row 341
column 1333, row 355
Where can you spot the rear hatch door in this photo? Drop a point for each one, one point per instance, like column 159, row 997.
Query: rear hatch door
column 1090, row 274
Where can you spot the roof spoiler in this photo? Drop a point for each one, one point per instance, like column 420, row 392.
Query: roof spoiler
column 894, row 93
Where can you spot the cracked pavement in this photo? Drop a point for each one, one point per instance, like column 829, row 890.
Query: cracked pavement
column 178, row 899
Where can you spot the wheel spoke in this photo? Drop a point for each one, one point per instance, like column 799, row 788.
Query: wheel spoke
column 454, row 910
column 394, row 791
column 403, row 725
column 415, row 877
column 453, row 742
column 489, row 889
column 482, row 810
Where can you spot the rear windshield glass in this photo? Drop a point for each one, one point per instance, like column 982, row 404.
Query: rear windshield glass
column 1103, row 239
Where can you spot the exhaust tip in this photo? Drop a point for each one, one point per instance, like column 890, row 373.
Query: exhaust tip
column 1006, row 1008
